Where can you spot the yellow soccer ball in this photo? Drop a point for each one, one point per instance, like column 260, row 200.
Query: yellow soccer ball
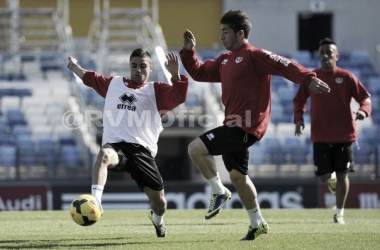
column 86, row 210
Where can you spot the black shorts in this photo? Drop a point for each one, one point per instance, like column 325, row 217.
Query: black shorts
column 232, row 143
column 336, row 157
column 139, row 162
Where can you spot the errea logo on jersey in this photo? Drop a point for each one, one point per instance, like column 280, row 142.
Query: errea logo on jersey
column 224, row 61
column 210, row 136
column 277, row 58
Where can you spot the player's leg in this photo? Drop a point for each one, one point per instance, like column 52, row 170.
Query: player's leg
column 237, row 166
column 201, row 157
column 342, row 188
column 323, row 163
column 343, row 163
column 156, row 215
column 107, row 158
column 201, row 151
column 143, row 169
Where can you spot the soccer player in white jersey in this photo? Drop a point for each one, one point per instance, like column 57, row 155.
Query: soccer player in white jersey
column 132, row 124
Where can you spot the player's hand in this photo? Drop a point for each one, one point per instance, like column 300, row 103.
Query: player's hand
column 360, row 115
column 72, row 63
column 172, row 65
column 318, row 86
column 189, row 41
column 299, row 125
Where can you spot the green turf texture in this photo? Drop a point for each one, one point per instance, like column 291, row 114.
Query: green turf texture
column 187, row 229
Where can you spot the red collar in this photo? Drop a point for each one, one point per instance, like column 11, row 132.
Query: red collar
column 133, row 85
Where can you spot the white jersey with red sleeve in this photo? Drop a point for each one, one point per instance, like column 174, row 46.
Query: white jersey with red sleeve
column 133, row 111
column 131, row 115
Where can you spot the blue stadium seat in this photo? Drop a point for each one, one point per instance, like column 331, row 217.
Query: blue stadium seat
column 256, row 154
column 277, row 114
column 365, row 153
column 4, row 92
column 273, row 150
column 19, row 129
column 7, row 139
column 66, row 140
column 359, row 58
column 277, row 82
column 271, row 141
column 370, row 133
column 8, row 156
column 27, row 151
column 292, row 141
column 287, row 93
column 22, row 92
column 71, row 156
column 14, row 117
column 48, row 151
column 374, row 85
column 192, row 100
column 4, row 129
column 275, row 154
column 295, row 150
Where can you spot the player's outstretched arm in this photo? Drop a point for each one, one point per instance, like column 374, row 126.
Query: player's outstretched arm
column 172, row 65
column 189, row 40
column 318, row 86
column 75, row 67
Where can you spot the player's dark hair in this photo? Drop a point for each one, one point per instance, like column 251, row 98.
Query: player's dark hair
column 327, row 41
column 139, row 53
column 237, row 20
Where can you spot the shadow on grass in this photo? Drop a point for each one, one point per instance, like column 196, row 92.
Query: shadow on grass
column 52, row 244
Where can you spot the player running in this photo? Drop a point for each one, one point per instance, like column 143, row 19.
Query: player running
column 245, row 73
column 333, row 128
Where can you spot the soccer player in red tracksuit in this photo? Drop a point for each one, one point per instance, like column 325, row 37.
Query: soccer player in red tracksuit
column 245, row 73
column 333, row 128
column 132, row 123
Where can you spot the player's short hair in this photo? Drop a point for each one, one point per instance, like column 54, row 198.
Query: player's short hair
column 327, row 41
column 237, row 20
column 140, row 53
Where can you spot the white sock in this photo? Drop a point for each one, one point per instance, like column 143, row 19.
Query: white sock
column 97, row 191
column 157, row 220
column 339, row 211
column 216, row 185
column 255, row 217
column 333, row 176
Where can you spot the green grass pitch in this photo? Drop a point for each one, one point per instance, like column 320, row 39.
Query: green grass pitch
column 187, row 229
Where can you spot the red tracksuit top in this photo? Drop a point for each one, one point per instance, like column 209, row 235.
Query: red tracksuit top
column 331, row 117
column 245, row 76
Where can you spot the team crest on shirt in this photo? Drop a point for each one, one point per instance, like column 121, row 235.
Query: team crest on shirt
column 224, row 62
column 339, row 80
column 238, row 59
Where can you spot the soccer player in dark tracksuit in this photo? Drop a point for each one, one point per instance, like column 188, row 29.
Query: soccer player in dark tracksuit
column 333, row 127
column 245, row 73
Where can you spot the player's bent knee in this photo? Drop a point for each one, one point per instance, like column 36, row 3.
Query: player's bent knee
column 161, row 203
column 108, row 156
column 196, row 148
column 236, row 176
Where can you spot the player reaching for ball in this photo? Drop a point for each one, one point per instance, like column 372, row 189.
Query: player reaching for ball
column 333, row 128
column 245, row 73
column 130, row 143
